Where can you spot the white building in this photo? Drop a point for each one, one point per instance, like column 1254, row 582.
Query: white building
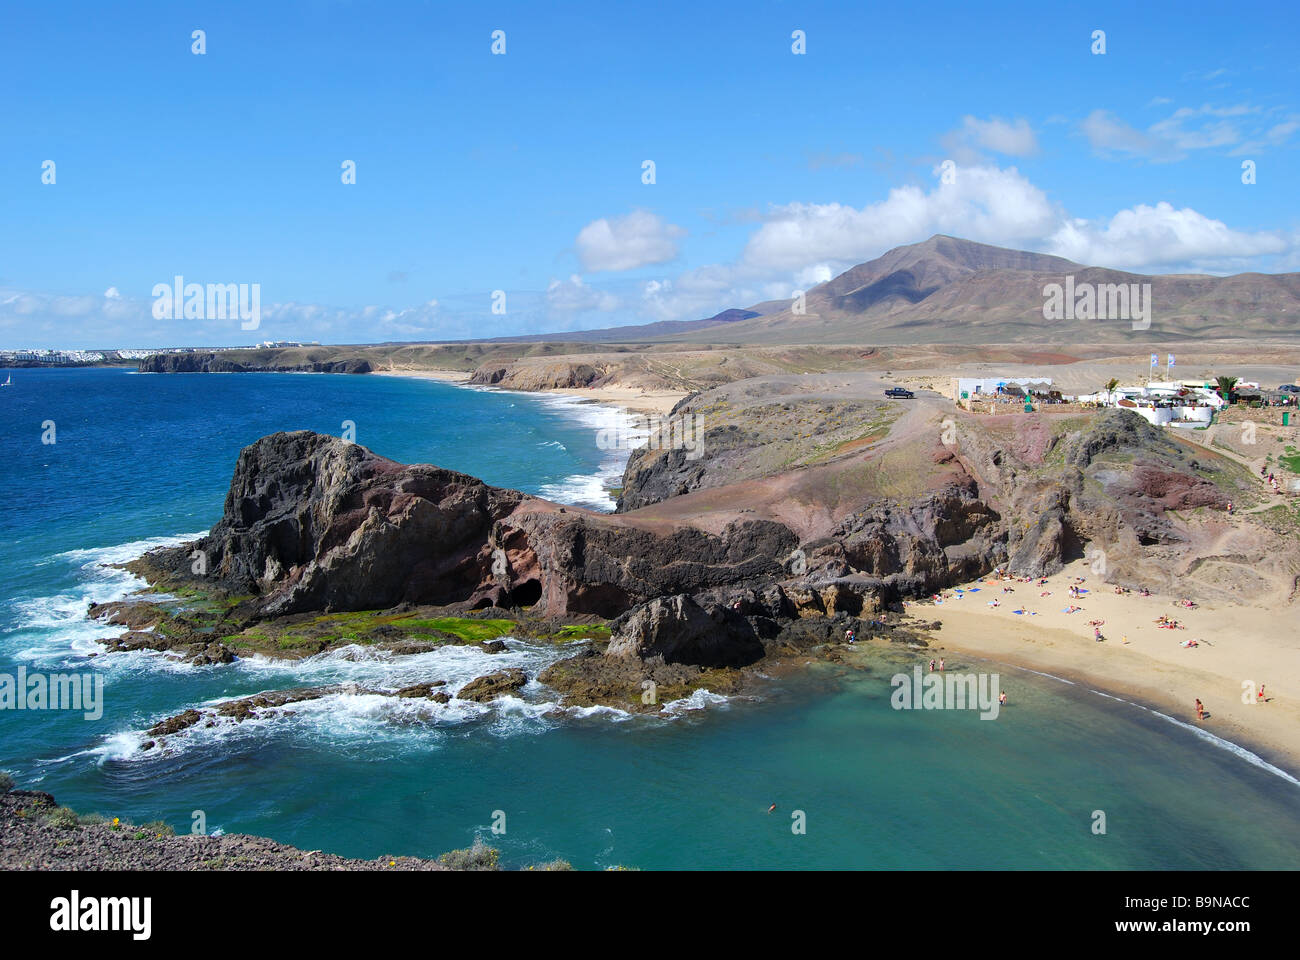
column 1174, row 403
column 971, row 388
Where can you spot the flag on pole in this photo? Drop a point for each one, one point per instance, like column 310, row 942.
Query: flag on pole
column 1171, row 359
column 1155, row 360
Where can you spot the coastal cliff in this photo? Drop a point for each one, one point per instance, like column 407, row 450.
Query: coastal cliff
column 222, row 363
column 323, row 542
column 315, row 529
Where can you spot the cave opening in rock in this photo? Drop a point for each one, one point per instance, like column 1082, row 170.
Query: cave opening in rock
column 526, row 594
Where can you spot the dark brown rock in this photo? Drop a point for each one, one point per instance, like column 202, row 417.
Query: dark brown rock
column 679, row 630
column 493, row 685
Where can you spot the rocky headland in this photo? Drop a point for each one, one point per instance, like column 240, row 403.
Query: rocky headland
column 36, row 833
column 807, row 518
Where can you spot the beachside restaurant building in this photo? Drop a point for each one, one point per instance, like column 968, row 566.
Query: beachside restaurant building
column 1000, row 389
column 1172, row 403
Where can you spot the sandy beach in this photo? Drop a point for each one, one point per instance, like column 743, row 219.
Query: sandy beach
column 631, row 399
column 1237, row 645
column 449, row 376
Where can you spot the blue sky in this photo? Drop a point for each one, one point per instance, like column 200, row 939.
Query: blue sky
column 523, row 172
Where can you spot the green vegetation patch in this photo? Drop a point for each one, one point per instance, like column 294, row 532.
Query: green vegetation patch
column 1291, row 459
column 312, row 634
column 467, row 628
column 580, row 631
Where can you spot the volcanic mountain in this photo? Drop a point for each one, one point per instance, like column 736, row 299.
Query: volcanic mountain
column 948, row 290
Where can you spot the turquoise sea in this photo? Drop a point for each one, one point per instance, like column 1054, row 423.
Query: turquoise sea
column 141, row 460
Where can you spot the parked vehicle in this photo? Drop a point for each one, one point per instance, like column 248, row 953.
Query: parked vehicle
column 898, row 393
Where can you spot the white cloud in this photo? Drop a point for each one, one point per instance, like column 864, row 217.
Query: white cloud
column 112, row 294
column 984, row 203
column 1012, row 138
column 574, row 296
column 638, row 239
column 802, row 244
column 1109, row 134
column 1187, row 129
column 1146, row 236
column 793, row 247
column 1275, row 135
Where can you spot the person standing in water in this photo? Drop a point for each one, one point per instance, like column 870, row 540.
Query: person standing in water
column 932, row 666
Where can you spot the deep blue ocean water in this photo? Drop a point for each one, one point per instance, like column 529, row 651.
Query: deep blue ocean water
column 141, row 460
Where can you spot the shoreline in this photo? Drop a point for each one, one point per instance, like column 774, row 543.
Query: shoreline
column 1159, row 677
column 1060, row 646
column 628, row 399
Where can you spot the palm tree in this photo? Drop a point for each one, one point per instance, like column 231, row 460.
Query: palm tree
column 1225, row 386
column 1111, row 384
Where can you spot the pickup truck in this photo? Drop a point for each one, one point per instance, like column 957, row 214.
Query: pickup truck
column 898, row 393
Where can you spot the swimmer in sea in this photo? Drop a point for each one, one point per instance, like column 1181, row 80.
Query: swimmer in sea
column 771, row 808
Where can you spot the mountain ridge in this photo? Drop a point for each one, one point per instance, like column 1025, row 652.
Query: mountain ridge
column 949, row 290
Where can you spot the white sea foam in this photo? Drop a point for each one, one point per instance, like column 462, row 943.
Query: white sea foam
column 1238, row 751
column 700, row 699
column 584, row 490
column 590, row 490
column 1049, row 676
column 357, row 719
column 52, row 628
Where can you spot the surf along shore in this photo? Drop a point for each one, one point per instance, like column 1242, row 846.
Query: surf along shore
column 630, row 399
column 1237, row 648
column 1159, row 505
